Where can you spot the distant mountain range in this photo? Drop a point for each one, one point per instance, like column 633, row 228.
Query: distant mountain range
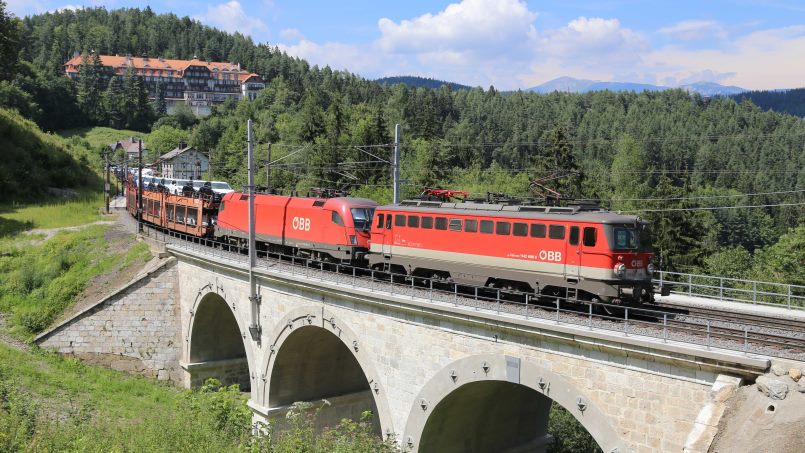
column 421, row 82
column 571, row 85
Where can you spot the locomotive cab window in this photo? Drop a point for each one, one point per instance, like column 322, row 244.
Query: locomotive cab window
column 388, row 222
column 336, row 218
column 487, row 226
column 590, row 236
column 455, row 224
column 626, row 238
column 427, row 222
column 574, row 235
column 380, row 219
column 399, row 220
column 362, row 218
column 441, row 223
column 413, row 221
column 503, row 228
column 470, row 225
column 537, row 230
column 556, row 231
column 520, row 229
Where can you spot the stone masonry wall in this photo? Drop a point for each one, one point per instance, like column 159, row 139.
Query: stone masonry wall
column 135, row 329
column 651, row 403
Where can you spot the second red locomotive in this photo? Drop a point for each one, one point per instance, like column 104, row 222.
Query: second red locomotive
column 330, row 229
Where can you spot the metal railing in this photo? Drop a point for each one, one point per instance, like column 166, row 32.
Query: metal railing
column 733, row 289
column 709, row 332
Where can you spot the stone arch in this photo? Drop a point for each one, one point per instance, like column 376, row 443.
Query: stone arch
column 496, row 382
column 216, row 344
column 336, row 346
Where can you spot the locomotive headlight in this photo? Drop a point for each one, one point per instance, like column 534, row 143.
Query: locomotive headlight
column 620, row 269
column 353, row 239
column 650, row 269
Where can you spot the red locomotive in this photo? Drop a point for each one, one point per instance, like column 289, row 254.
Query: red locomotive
column 331, row 229
column 574, row 251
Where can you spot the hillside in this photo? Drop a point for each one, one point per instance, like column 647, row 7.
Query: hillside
column 34, row 161
column 421, row 82
column 784, row 101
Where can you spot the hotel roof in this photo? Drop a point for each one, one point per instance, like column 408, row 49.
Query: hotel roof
column 161, row 66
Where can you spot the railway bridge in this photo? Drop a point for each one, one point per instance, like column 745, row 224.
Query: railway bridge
column 439, row 376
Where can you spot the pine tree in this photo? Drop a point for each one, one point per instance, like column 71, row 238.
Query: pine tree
column 138, row 108
column 8, row 43
column 114, row 104
column 628, row 175
column 129, row 94
column 558, row 161
column 160, row 105
column 143, row 113
column 90, row 91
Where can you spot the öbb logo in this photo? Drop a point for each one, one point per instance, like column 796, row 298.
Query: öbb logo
column 550, row 255
column 301, row 223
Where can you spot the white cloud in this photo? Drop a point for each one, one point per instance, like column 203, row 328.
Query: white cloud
column 68, row 8
column 759, row 60
column 587, row 47
column 477, row 26
column 336, row 55
column 707, row 75
column 481, row 42
column 694, row 30
column 291, row 34
column 593, row 40
column 231, row 17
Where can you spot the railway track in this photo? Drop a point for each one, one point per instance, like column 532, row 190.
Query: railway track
column 766, row 321
column 669, row 322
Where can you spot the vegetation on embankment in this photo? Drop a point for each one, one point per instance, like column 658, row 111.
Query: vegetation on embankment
column 34, row 161
column 56, row 213
column 49, row 255
column 39, row 281
column 50, row 403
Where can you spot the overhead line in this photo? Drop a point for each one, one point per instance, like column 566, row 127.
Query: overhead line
column 708, row 208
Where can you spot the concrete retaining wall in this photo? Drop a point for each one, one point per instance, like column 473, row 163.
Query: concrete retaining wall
column 136, row 329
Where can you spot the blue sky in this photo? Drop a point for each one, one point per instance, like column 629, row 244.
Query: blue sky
column 516, row 43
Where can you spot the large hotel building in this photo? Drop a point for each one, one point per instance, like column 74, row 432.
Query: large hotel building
column 196, row 83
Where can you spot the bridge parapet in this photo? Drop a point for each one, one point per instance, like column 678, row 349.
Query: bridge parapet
column 632, row 392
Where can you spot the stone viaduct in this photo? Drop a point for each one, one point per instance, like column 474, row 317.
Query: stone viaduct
column 439, row 377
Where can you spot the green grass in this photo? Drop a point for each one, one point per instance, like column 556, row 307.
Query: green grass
column 98, row 137
column 50, row 403
column 38, row 282
column 15, row 218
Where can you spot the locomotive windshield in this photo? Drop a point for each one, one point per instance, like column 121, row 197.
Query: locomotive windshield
column 629, row 237
column 626, row 238
column 362, row 218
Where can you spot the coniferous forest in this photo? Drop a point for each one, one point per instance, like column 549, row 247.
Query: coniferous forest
column 687, row 163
